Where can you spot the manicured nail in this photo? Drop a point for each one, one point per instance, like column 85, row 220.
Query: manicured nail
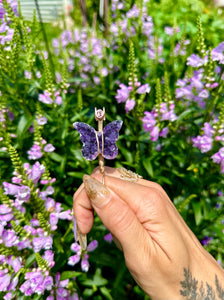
column 82, row 239
column 97, row 192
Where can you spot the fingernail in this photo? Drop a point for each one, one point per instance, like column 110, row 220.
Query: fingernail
column 82, row 239
column 97, row 192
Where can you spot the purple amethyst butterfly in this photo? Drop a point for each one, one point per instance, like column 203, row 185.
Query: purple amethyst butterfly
column 96, row 142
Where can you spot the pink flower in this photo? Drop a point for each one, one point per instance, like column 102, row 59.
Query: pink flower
column 130, row 104
column 45, row 98
column 49, row 148
column 122, row 94
column 145, row 88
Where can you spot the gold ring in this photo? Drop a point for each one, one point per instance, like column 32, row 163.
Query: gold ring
column 128, row 175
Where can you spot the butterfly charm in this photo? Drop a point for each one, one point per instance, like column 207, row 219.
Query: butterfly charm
column 99, row 142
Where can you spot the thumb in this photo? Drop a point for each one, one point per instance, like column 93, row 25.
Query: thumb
column 117, row 216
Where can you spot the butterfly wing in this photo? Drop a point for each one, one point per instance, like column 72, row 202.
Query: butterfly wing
column 111, row 134
column 88, row 138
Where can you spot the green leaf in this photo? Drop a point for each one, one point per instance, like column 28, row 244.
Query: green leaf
column 162, row 180
column 106, row 293
column 148, row 166
column 185, row 114
column 77, row 154
column 76, row 174
column 88, row 292
column 30, row 260
column 56, row 157
column 78, row 116
column 97, row 280
column 127, row 154
column 23, row 125
column 69, row 275
column 197, row 212
column 63, row 164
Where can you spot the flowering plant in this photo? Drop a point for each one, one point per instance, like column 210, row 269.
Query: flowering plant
column 160, row 70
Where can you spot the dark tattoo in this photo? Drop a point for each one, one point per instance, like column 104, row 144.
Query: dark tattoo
column 193, row 290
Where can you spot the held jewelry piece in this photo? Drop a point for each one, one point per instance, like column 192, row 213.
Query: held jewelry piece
column 100, row 143
column 128, row 175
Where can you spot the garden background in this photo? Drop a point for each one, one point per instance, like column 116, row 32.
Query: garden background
column 156, row 65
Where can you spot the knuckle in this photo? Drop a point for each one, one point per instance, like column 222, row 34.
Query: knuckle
column 122, row 219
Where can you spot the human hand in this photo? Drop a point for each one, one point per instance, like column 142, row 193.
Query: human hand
column 160, row 251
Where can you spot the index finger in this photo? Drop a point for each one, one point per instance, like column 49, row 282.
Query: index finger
column 120, row 173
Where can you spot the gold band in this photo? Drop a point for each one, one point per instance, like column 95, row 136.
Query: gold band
column 128, row 175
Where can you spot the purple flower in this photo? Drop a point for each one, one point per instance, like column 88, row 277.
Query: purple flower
column 36, row 282
column 108, row 238
column 47, row 284
column 104, row 72
column 204, row 143
column 170, row 31
column 154, row 134
column 42, row 243
column 16, row 263
column 149, row 121
column 23, row 194
column 4, row 282
column 133, row 12
column 41, row 121
column 163, row 133
column 13, row 283
column 167, row 114
column 58, row 100
column 129, row 105
column 9, row 238
column 196, row 82
column 7, row 37
column 206, row 241
column 92, row 246
column 45, row 98
column 36, row 172
column 218, row 158
column 195, row 61
column 204, row 94
column 34, row 152
column 122, row 93
column 10, row 189
column 74, row 259
column 85, row 263
column 184, row 92
column 114, row 29
column 145, row 88
column 38, row 74
column 218, row 53
column 59, row 214
column 28, row 75
column 49, row 257
column 208, row 130
column 5, row 213
column 49, row 148
column 147, row 26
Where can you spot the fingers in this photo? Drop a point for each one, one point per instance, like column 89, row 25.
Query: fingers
column 136, row 195
column 83, row 210
column 115, row 172
column 144, row 197
column 117, row 216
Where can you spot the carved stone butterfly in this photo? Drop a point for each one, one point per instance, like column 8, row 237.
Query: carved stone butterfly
column 97, row 142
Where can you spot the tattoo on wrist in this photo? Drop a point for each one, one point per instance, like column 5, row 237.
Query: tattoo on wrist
column 192, row 289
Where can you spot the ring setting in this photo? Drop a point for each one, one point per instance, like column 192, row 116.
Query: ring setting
column 129, row 175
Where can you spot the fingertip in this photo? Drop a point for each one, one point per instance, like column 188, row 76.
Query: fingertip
column 83, row 211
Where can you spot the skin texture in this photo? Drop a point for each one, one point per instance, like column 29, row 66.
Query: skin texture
column 160, row 250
